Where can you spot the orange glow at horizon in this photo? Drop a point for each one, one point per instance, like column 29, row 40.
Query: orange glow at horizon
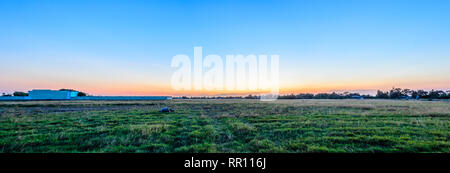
column 145, row 88
column 161, row 90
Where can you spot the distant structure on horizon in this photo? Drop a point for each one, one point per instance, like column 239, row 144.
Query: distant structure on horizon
column 52, row 94
column 46, row 94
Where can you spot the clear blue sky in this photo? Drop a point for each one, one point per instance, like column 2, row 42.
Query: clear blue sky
column 112, row 47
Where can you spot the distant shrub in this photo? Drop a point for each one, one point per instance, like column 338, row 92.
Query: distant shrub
column 81, row 94
column 382, row 95
column 6, row 95
column 18, row 93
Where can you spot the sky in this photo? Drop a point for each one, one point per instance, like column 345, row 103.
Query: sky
column 112, row 47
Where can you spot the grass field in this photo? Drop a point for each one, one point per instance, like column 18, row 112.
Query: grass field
column 226, row 126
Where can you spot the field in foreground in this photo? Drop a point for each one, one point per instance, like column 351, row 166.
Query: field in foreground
column 226, row 126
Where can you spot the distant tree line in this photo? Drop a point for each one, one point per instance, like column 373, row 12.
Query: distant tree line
column 333, row 95
column 16, row 93
column 394, row 93
column 398, row 93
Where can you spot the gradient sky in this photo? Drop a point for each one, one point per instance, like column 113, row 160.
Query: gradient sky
column 115, row 47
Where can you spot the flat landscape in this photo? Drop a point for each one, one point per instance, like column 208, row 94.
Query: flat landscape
column 225, row 126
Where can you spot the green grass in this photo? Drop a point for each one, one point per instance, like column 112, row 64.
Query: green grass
column 226, row 126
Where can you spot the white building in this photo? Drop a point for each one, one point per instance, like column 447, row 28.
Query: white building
column 51, row 94
column 46, row 94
